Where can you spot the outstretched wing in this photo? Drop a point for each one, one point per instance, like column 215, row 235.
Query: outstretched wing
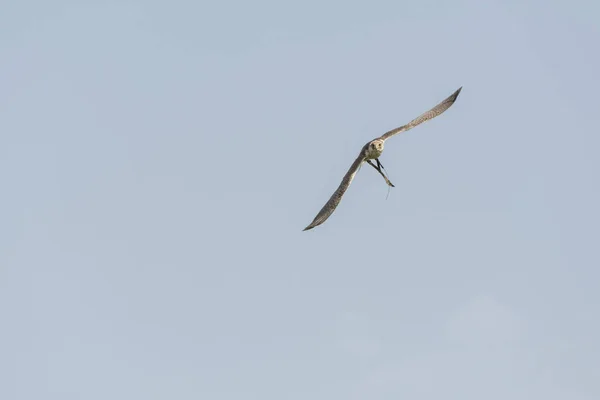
column 434, row 112
column 335, row 198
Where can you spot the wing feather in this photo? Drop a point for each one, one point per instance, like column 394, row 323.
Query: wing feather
column 434, row 112
column 335, row 198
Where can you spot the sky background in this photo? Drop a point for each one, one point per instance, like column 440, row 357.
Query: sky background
column 159, row 160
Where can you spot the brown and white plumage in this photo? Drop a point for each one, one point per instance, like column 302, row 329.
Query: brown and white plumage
column 373, row 150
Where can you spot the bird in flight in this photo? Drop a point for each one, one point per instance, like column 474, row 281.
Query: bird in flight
column 372, row 151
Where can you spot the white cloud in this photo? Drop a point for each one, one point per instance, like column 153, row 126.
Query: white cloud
column 484, row 350
column 484, row 321
column 354, row 335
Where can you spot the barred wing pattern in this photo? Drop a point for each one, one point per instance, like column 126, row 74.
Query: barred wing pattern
column 335, row 198
column 434, row 112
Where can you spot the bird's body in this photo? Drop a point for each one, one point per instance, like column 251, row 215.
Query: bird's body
column 372, row 151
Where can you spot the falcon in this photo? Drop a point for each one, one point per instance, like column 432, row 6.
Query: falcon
column 372, row 151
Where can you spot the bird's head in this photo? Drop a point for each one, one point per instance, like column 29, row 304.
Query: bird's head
column 376, row 145
column 374, row 148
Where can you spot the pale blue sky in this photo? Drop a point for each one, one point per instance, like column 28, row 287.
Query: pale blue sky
column 159, row 161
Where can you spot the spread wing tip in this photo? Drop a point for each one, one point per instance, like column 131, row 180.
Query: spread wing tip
column 455, row 95
column 312, row 225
